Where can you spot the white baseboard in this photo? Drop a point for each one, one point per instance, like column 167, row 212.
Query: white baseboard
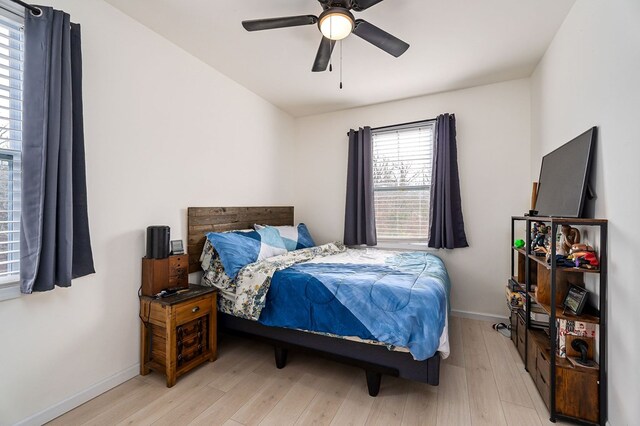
column 81, row 397
column 478, row 316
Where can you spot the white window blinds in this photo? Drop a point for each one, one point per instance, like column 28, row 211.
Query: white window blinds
column 11, row 57
column 402, row 161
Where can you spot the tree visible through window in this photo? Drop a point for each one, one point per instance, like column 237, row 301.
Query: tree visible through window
column 402, row 162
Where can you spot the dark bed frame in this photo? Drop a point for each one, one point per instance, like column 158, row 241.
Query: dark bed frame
column 376, row 360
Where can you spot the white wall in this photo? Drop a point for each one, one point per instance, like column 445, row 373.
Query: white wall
column 590, row 76
column 161, row 128
column 178, row 122
column 493, row 127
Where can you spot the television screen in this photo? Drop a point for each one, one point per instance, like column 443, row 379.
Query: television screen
column 564, row 176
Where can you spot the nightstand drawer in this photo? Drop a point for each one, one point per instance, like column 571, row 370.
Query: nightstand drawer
column 192, row 328
column 191, row 340
column 192, row 310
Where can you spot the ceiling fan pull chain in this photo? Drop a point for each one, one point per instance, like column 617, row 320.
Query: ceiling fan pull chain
column 330, row 47
column 330, row 58
column 340, row 64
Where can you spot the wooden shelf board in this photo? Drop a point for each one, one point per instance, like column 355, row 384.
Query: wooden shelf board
column 542, row 341
column 567, row 220
column 584, row 317
column 577, row 270
column 541, row 261
column 522, row 285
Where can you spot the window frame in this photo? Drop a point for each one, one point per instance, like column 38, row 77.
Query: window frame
column 13, row 225
column 10, row 283
column 404, row 243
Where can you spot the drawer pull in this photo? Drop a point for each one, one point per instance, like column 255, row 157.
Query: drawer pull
column 195, row 309
column 543, row 380
column 543, row 357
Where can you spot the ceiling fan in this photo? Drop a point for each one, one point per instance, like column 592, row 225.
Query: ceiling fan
column 335, row 23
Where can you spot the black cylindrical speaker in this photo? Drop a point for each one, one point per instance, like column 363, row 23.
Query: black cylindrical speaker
column 158, row 242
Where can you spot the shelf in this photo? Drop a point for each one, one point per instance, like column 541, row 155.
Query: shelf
column 541, row 340
column 584, row 317
column 569, row 390
column 563, row 220
column 541, row 261
column 521, row 285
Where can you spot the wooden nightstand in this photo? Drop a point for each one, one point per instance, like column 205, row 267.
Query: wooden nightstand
column 178, row 333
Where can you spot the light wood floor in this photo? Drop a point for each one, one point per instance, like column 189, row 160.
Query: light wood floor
column 483, row 382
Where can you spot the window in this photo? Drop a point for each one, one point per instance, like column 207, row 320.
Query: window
column 402, row 161
column 11, row 57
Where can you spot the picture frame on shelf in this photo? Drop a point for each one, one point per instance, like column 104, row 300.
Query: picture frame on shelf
column 177, row 247
column 575, row 300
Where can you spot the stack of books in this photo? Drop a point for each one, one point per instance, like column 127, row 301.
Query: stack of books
column 539, row 318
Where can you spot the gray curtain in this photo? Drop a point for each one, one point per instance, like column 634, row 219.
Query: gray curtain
column 360, row 220
column 447, row 224
column 55, row 242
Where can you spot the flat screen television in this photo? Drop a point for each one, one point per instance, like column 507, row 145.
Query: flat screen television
column 564, row 177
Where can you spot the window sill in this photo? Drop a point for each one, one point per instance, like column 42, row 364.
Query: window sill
column 403, row 246
column 10, row 292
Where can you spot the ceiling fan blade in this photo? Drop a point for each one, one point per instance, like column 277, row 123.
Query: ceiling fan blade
column 360, row 5
column 324, row 55
column 283, row 22
column 380, row 38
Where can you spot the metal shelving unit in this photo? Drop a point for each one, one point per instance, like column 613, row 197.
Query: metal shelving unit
column 598, row 317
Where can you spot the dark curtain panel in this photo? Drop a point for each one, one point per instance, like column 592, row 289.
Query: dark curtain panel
column 360, row 220
column 447, row 225
column 55, row 243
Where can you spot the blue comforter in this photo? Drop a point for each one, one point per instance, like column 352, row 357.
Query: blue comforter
column 402, row 301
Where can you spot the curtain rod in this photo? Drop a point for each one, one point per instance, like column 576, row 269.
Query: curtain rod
column 35, row 10
column 400, row 125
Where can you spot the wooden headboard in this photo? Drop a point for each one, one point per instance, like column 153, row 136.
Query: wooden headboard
column 219, row 219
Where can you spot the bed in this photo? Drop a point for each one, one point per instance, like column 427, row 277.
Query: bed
column 305, row 300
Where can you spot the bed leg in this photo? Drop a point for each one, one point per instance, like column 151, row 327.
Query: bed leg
column 373, row 382
column 281, row 357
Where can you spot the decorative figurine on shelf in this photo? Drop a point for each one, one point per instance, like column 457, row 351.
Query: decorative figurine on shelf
column 539, row 235
column 568, row 237
column 518, row 244
column 580, row 248
column 584, row 256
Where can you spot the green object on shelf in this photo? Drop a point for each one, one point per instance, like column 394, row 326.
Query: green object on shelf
column 518, row 244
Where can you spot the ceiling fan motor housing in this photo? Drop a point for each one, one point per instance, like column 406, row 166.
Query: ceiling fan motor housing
column 346, row 4
column 336, row 23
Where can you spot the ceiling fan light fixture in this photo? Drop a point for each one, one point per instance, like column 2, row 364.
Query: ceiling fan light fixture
column 336, row 23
